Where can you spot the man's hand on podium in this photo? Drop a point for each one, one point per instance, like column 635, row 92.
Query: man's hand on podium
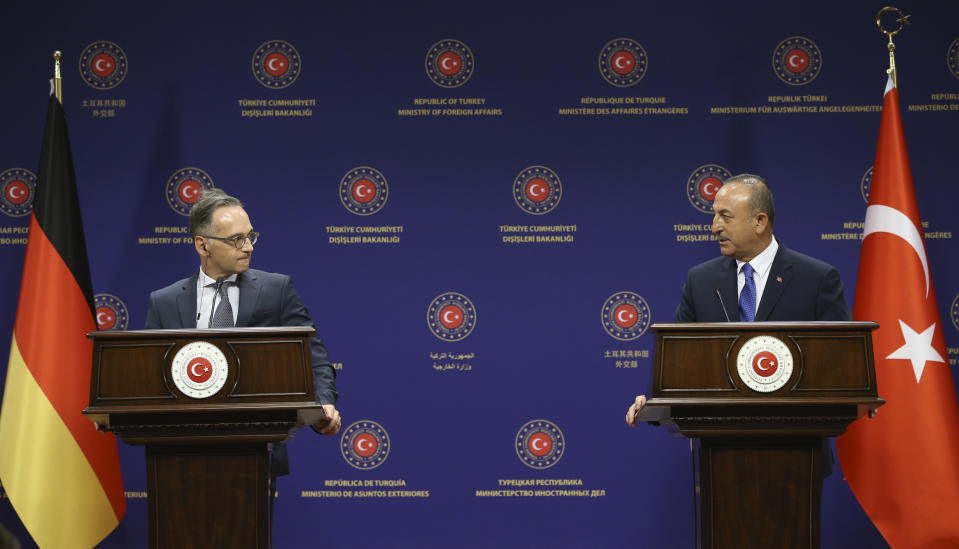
column 634, row 410
column 331, row 425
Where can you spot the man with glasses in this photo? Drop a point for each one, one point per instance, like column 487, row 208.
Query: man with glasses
column 225, row 292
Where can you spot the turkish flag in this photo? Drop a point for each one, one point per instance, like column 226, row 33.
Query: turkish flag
column 903, row 465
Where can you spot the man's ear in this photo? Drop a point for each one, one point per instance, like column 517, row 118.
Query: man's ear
column 200, row 244
column 762, row 221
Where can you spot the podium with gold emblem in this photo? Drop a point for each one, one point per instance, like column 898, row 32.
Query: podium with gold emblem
column 760, row 398
column 207, row 404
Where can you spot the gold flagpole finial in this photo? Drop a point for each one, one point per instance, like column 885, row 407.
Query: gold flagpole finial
column 902, row 20
column 57, row 86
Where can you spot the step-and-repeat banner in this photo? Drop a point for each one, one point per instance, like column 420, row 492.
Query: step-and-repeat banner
column 484, row 206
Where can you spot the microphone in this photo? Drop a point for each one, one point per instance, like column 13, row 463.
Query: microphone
column 216, row 292
column 721, row 302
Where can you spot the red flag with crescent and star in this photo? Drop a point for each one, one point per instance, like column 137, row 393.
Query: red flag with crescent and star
column 902, row 464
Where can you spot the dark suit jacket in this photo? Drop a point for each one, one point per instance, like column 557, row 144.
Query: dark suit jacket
column 266, row 299
column 799, row 288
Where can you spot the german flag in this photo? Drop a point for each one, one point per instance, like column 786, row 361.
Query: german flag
column 61, row 476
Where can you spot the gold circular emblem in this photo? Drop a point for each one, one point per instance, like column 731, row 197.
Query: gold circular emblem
column 199, row 369
column 765, row 364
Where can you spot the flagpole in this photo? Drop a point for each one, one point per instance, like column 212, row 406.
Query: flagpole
column 903, row 20
column 57, row 85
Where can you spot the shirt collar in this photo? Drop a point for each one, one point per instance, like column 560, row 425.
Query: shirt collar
column 207, row 281
column 763, row 262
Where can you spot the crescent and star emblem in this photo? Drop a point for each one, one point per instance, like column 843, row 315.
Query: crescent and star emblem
column 188, row 192
column 98, row 65
column 449, row 317
column 762, row 366
column 197, row 373
column 621, row 62
column 709, row 189
column 792, row 60
column 271, row 64
column 363, row 190
column 447, row 63
column 624, row 316
column 365, row 444
column 540, row 444
column 101, row 319
column 884, row 219
column 537, row 189
column 16, row 192
column 199, row 370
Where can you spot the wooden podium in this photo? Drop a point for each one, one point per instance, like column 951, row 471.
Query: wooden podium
column 760, row 397
column 208, row 455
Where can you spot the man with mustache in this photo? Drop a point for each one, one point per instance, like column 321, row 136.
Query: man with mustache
column 769, row 281
column 223, row 238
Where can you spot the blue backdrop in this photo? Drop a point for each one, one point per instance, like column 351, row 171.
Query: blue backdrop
column 404, row 162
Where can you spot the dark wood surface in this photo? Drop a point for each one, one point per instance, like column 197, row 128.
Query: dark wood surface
column 760, row 492
column 186, row 483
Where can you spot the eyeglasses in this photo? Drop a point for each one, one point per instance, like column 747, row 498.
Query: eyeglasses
column 237, row 241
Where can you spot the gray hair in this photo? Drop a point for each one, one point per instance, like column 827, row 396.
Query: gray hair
column 761, row 199
column 201, row 214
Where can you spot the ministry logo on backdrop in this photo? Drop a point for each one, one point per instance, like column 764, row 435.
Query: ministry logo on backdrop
column 451, row 316
column 703, row 184
column 954, row 312
column 623, row 62
column 103, row 65
column 365, row 444
column 112, row 312
column 19, row 189
column 276, row 64
column 537, row 190
column 952, row 58
column 626, row 316
column 797, row 60
column 540, row 444
column 184, row 188
column 449, row 63
column 865, row 184
column 364, row 190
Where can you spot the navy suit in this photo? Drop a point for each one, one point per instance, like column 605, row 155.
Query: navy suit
column 266, row 299
column 799, row 288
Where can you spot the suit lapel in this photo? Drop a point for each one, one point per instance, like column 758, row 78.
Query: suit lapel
column 776, row 282
column 249, row 294
column 727, row 288
column 186, row 302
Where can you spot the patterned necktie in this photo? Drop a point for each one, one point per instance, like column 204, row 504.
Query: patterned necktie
column 747, row 299
column 223, row 316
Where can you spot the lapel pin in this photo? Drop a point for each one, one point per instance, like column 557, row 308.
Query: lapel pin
column 779, row 279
